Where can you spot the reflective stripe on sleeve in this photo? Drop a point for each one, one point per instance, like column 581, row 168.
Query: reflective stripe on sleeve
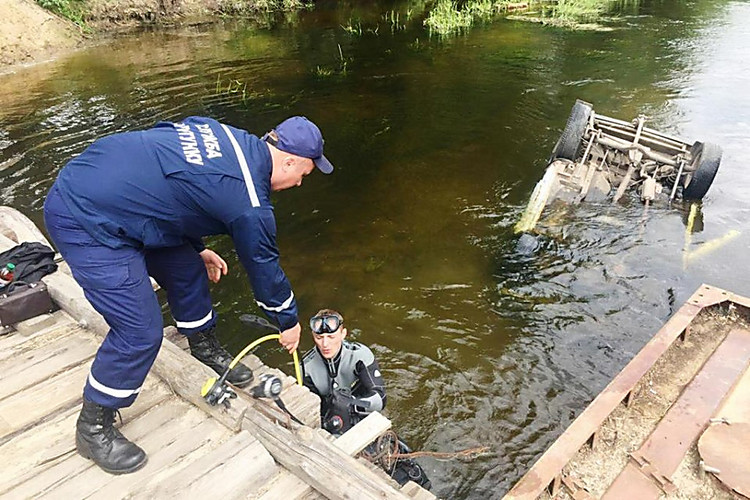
column 243, row 167
column 285, row 305
column 196, row 323
column 116, row 393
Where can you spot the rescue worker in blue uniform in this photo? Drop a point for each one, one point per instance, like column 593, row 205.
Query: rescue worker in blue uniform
column 139, row 203
column 347, row 378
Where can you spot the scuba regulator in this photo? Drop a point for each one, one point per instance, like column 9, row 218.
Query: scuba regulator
column 269, row 387
column 217, row 391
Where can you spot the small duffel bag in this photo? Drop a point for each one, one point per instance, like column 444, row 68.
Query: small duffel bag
column 20, row 301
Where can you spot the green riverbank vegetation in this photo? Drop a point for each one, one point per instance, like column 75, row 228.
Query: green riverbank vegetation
column 73, row 10
column 449, row 17
column 106, row 14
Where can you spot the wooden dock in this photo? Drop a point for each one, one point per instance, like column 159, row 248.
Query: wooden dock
column 249, row 450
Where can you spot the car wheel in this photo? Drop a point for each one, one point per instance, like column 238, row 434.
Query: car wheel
column 706, row 160
column 570, row 140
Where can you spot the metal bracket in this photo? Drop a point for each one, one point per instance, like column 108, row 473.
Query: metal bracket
column 647, row 469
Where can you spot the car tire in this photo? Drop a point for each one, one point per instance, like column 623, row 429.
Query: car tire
column 570, row 139
column 706, row 160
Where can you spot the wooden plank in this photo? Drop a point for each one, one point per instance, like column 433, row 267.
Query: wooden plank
column 167, row 462
column 41, row 364
column 160, row 427
column 171, row 334
column 15, row 343
column 237, row 467
column 318, row 461
column 42, row 323
column 414, row 491
column 43, row 400
column 365, row 432
column 38, row 459
column 287, row 486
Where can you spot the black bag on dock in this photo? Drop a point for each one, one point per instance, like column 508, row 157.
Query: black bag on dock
column 32, row 260
column 20, row 301
column 26, row 296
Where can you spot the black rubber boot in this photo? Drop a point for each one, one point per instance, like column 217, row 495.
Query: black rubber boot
column 97, row 439
column 205, row 347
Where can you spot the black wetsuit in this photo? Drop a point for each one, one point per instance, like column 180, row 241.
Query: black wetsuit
column 351, row 386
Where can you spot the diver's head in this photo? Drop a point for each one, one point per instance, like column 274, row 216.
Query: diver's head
column 328, row 332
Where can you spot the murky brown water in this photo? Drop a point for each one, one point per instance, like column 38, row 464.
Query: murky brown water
column 438, row 144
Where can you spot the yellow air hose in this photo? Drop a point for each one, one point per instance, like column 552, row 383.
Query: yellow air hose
column 255, row 343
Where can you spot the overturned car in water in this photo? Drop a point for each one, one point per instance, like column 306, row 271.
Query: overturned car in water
column 599, row 158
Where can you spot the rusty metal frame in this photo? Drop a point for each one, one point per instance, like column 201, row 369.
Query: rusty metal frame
column 546, row 473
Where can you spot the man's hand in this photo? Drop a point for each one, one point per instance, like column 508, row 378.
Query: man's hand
column 290, row 338
column 215, row 266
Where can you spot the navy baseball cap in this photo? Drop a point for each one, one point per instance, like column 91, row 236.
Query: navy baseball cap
column 299, row 136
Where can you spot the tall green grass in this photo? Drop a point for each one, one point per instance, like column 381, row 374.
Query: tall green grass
column 447, row 17
column 580, row 10
column 73, row 10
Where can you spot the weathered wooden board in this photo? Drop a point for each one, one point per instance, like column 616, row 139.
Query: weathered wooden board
column 224, row 472
column 45, row 456
column 59, row 393
column 40, row 448
column 413, row 490
column 167, row 462
column 365, row 432
column 36, row 366
column 158, row 428
column 287, row 485
column 318, row 461
column 17, row 342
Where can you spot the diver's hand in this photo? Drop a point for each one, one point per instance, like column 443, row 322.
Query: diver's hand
column 290, row 338
column 215, row 265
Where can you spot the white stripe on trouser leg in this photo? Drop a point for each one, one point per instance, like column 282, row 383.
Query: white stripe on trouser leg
column 194, row 324
column 116, row 393
column 283, row 306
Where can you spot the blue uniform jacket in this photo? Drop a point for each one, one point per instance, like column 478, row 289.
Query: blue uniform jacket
column 174, row 184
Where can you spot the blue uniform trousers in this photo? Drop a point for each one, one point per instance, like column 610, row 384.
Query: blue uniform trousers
column 116, row 283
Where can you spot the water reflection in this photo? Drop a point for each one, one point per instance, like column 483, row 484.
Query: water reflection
column 438, row 145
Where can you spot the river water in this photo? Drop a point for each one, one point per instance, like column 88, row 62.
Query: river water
column 437, row 145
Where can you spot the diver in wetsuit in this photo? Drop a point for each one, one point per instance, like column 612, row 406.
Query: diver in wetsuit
column 347, row 378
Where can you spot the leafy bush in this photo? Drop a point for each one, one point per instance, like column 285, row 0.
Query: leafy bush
column 69, row 9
